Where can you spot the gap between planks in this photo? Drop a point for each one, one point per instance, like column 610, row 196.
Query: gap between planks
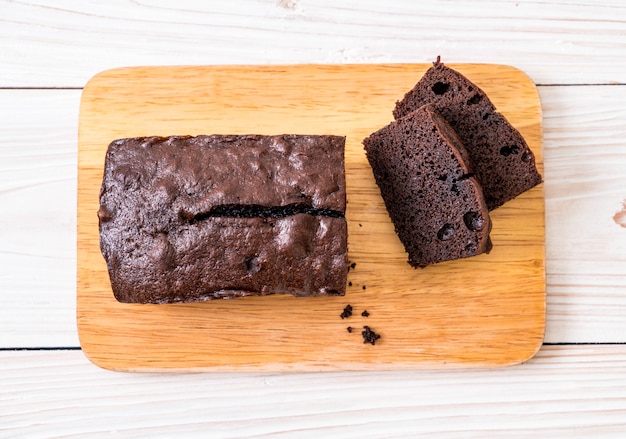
column 78, row 348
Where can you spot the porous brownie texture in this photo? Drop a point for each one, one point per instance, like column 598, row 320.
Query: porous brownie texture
column 502, row 160
column 431, row 194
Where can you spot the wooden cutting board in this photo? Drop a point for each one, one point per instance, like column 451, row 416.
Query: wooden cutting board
column 486, row 311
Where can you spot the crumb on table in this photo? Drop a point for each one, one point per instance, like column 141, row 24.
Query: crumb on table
column 369, row 336
column 347, row 312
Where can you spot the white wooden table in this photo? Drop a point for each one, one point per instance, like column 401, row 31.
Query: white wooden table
column 574, row 50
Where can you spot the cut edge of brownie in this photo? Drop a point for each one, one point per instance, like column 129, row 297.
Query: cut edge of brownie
column 431, row 194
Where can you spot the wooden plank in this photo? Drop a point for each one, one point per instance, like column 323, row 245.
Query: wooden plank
column 38, row 217
column 484, row 311
column 571, row 41
column 584, row 180
column 564, row 392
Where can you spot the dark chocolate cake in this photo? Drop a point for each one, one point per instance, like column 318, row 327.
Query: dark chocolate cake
column 426, row 181
column 186, row 219
column 502, row 160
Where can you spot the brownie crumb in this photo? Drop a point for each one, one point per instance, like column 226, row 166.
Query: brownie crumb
column 349, row 284
column 347, row 312
column 353, row 265
column 360, row 225
column 364, row 287
column 349, row 329
column 365, row 314
column 369, row 336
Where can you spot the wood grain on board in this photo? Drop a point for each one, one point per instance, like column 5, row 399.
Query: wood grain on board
column 485, row 311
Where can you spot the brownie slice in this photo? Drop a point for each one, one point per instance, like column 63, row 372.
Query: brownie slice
column 426, row 181
column 502, row 160
column 186, row 219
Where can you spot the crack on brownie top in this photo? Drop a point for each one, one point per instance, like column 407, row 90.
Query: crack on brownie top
column 256, row 211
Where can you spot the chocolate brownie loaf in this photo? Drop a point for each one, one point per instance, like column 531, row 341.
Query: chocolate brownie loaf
column 426, row 181
column 502, row 160
column 186, row 219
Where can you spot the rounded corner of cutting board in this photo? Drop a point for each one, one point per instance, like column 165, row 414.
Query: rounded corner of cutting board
column 519, row 75
column 522, row 75
column 105, row 75
column 527, row 355
column 92, row 352
column 105, row 78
